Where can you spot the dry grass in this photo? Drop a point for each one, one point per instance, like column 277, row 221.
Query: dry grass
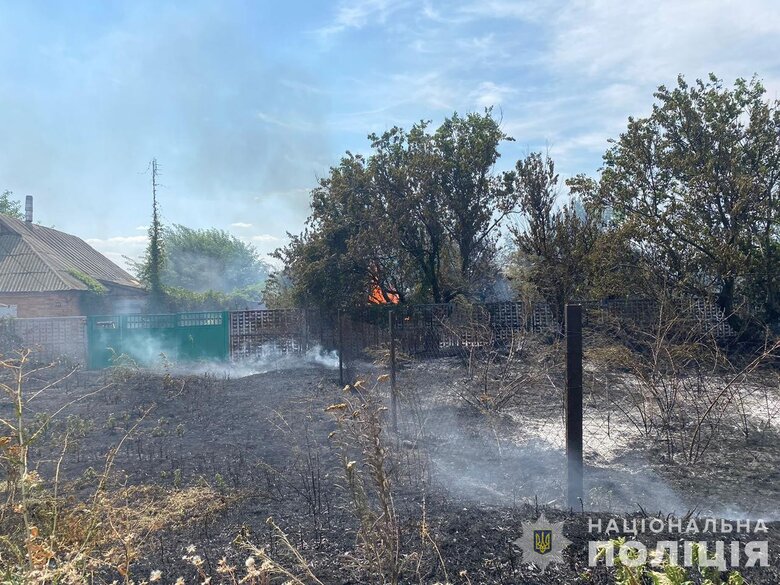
column 390, row 550
column 53, row 533
column 684, row 390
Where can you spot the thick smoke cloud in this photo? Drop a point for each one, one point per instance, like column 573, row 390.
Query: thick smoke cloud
column 231, row 121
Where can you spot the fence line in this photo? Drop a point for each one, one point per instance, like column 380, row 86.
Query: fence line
column 50, row 337
column 431, row 330
column 144, row 338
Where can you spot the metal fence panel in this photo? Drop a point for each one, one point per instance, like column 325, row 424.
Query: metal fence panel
column 180, row 336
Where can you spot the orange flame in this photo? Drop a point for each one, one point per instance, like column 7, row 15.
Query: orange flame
column 378, row 297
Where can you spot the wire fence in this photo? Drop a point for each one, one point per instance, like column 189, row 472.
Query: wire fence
column 650, row 382
column 445, row 330
column 638, row 385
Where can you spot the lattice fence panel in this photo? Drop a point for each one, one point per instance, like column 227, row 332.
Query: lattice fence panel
column 53, row 337
column 255, row 333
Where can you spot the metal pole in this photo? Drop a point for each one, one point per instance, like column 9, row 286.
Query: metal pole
column 341, row 349
column 393, row 395
column 574, row 404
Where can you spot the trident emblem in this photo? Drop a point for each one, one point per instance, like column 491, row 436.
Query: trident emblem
column 542, row 541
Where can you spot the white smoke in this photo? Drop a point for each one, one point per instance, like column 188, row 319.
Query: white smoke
column 269, row 359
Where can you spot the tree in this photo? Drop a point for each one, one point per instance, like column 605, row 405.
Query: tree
column 613, row 267
column 278, row 291
column 573, row 251
column 477, row 199
column 408, row 194
column 554, row 247
column 418, row 218
column 443, row 199
column 150, row 269
column 201, row 260
column 332, row 263
column 537, row 185
column 696, row 186
column 9, row 206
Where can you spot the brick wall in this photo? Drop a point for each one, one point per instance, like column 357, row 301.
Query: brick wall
column 75, row 303
column 48, row 304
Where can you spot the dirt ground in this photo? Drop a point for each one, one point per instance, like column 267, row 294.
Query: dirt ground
column 263, row 441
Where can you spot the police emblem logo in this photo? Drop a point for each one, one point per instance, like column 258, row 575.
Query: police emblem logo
column 542, row 541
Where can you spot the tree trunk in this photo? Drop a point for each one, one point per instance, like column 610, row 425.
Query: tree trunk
column 726, row 302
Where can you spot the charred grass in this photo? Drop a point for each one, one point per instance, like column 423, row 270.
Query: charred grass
column 288, row 477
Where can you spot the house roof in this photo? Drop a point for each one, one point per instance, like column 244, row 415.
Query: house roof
column 34, row 258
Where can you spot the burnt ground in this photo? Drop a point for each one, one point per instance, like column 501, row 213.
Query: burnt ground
column 263, row 444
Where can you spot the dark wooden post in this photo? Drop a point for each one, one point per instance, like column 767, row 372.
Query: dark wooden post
column 305, row 329
column 321, row 322
column 393, row 395
column 574, row 404
column 341, row 348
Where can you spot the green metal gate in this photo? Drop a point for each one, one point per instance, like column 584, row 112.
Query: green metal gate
column 179, row 336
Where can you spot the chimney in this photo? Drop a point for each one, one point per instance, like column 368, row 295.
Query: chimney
column 28, row 209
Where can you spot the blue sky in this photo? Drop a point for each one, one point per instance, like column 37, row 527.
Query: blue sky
column 245, row 104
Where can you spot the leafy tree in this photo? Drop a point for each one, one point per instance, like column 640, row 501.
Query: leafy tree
column 201, row 260
column 10, row 206
column 197, row 268
column 180, row 299
column 613, row 267
column 695, row 184
column 477, row 200
column 554, row 246
column 573, row 251
column 537, row 184
column 418, row 218
column 278, row 291
column 335, row 259
column 443, row 200
column 407, row 189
